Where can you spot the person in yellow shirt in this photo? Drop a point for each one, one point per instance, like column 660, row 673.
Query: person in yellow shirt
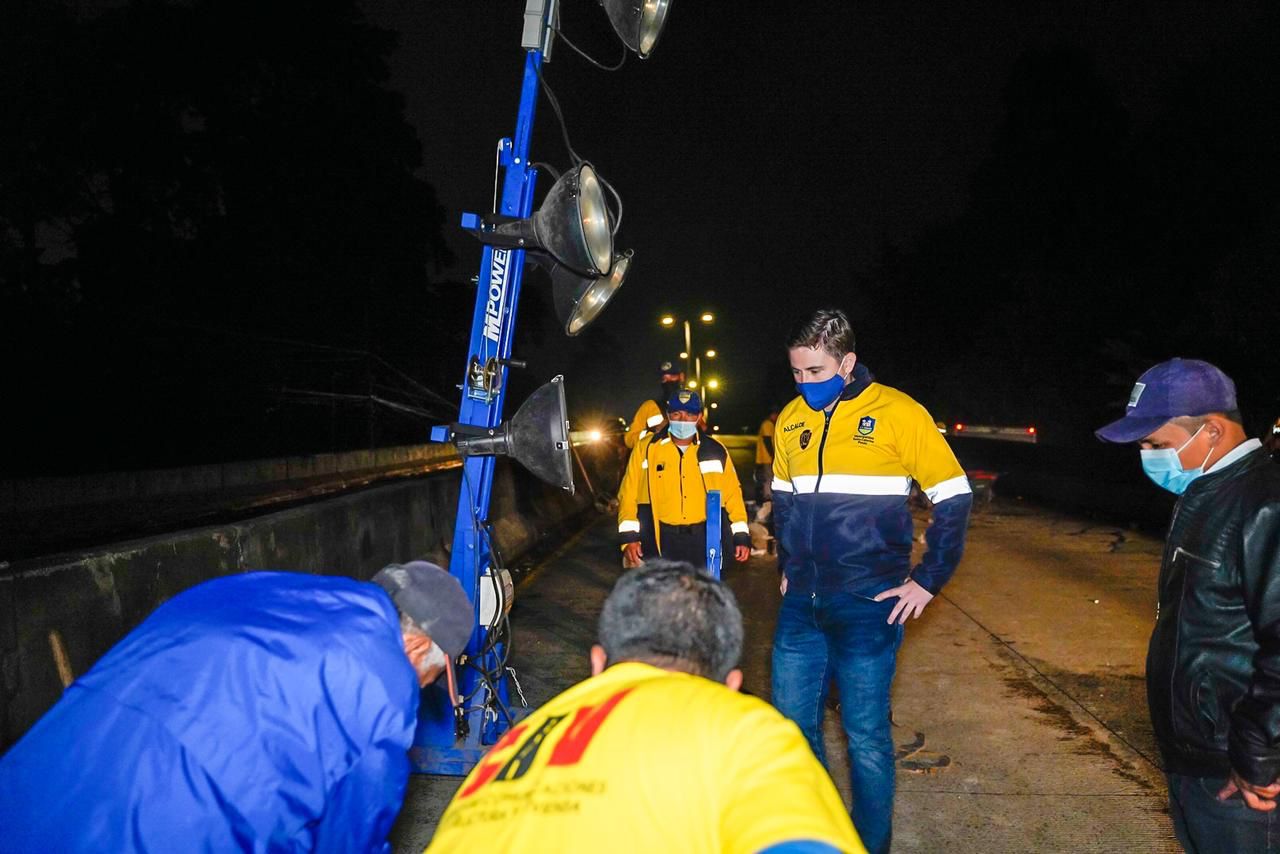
column 651, row 416
column 764, row 457
column 662, row 504
column 657, row 751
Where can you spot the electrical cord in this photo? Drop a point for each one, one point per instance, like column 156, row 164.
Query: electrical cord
column 497, row 632
column 555, row 108
column 580, row 52
column 555, row 173
column 574, row 156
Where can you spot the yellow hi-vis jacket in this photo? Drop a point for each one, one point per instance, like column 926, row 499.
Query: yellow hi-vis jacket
column 648, row 419
column 663, row 485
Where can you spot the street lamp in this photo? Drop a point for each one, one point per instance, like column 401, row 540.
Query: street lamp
column 669, row 321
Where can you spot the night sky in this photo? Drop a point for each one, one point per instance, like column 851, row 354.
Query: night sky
column 225, row 227
column 766, row 161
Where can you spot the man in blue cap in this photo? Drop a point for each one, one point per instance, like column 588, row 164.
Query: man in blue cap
column 662, row 504
column 266, row 711
column 652, row 414
column 1213, row 665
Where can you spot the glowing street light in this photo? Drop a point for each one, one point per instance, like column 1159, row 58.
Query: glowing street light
column 711, row 354
column 669, row 321
column 713, row 384
column 715, row 406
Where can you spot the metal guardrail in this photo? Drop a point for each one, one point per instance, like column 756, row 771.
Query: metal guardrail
column 269, row 475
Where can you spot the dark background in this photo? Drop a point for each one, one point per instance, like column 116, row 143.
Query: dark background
column 229, row 229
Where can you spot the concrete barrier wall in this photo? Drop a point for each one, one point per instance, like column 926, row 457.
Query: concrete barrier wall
column 94, row 598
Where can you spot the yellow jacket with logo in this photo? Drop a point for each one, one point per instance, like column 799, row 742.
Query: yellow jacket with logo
column 841, row 480
column 665, row 485
column 649, row 418
column 642, row 759
column 764, row 450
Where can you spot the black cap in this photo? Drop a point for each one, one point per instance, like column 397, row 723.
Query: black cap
column 433, row 599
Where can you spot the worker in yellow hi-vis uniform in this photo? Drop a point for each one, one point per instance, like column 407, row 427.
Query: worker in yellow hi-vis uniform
column 651, row 416
column 764, row 456
column 662, row 505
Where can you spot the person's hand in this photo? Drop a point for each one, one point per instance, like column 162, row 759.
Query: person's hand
column 782, row 586
column 631, row 551
column 911, row 601
column 1260, row 798
column 741, row 553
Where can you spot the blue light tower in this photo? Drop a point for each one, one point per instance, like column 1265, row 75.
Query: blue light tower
column 571, row 235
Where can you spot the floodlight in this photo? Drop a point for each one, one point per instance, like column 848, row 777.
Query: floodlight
column 637, row 22
column 580, row 299
column 572, row 225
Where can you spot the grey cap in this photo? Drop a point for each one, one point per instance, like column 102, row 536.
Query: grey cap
column 433, row 599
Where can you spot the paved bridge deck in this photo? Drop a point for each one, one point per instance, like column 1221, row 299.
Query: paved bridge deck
column 1019, row 703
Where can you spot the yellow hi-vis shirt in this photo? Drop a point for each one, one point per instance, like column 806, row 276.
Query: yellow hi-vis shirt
column 675, row 485
column 642, row 759
column 763, row 455
column 646, row 422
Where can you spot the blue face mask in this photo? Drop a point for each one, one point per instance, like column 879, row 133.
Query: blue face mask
column 820, row 395
column 1165, row 469
column 683, row 429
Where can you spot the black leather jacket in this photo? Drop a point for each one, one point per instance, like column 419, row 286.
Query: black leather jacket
column 1213, row 667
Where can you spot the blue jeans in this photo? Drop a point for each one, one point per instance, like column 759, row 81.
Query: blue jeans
column 1206, row 825
column 844, row 637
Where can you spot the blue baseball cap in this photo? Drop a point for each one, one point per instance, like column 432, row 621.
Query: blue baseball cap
column 1172, row 389
column 685, row 401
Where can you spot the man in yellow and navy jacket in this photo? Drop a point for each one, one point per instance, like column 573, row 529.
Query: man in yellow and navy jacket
column 662, row 505
column 846, row 452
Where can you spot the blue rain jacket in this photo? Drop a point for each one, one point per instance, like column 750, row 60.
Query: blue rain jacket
column 270, row 711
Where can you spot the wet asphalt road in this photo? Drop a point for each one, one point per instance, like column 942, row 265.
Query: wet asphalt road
column 1019, row 702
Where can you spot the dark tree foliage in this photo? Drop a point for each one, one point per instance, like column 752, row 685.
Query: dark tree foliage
column 210, row 211
column 1090, row 251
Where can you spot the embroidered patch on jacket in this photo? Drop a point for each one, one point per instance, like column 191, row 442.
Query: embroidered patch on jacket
column 866, row 426
column 804, row 439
